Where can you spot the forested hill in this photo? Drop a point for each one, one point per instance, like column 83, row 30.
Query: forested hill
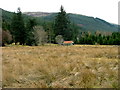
column 29, row 28
column 85, row 22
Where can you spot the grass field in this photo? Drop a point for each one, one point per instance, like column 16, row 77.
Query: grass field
column 55, row 66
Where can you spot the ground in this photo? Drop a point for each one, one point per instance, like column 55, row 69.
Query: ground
column 52, row 66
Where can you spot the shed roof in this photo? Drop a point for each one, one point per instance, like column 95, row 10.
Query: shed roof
column 68, row 42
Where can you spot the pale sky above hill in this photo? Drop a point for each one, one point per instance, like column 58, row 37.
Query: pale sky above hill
column 104, row 9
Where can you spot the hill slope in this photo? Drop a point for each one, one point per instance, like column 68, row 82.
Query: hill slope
column 87, row 23
column 37, row 14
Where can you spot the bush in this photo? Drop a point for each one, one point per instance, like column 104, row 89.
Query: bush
column 6, row 37
column 59, row 39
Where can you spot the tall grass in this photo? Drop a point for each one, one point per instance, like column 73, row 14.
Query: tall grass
column 60, row 67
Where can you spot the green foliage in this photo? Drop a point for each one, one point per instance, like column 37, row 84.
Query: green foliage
column 63, row 26
column 48, row 27
column 92, row 24
column 18, row 28
column 71, row 26
column 5, row 25
column 75, row 30
column 86, row 23
column 7, row 19
column 22, row 31
column 92, row 39
column 30, row 37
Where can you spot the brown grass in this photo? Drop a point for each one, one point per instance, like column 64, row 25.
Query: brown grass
column 60, row 66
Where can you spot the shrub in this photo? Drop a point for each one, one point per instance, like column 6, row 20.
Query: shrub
column 6, row 37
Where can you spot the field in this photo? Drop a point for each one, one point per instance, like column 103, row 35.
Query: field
column 52, row 66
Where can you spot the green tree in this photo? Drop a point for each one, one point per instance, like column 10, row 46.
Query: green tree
column 62, row 25
column 5, row 25
column 48, row 27
column 74, row 32
column 18, row 28
column 30, row 36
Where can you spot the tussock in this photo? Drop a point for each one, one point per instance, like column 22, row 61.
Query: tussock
column 54, row 66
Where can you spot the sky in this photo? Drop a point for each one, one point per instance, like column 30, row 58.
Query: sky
column 104, row 9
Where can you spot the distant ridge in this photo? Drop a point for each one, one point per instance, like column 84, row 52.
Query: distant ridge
column 86, row 23
column 37, row 14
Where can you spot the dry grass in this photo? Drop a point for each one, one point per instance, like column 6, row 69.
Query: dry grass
column 60, row 66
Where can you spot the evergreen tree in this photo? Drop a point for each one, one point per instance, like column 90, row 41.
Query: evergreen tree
column 5, row 25
column 74, row 33
column 62, row 25
column 30, row 37
column 18, row 28
column 48, row 27
column 98, row 38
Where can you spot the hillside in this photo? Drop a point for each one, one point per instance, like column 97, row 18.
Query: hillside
column 7, row 16
column 37, row 14
column 85, row 23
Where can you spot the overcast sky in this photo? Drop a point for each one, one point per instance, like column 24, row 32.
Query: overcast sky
column 104, row 9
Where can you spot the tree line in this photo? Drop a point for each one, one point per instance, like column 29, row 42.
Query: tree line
column 98, row 38
column 61, row 29
column 24, row 33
